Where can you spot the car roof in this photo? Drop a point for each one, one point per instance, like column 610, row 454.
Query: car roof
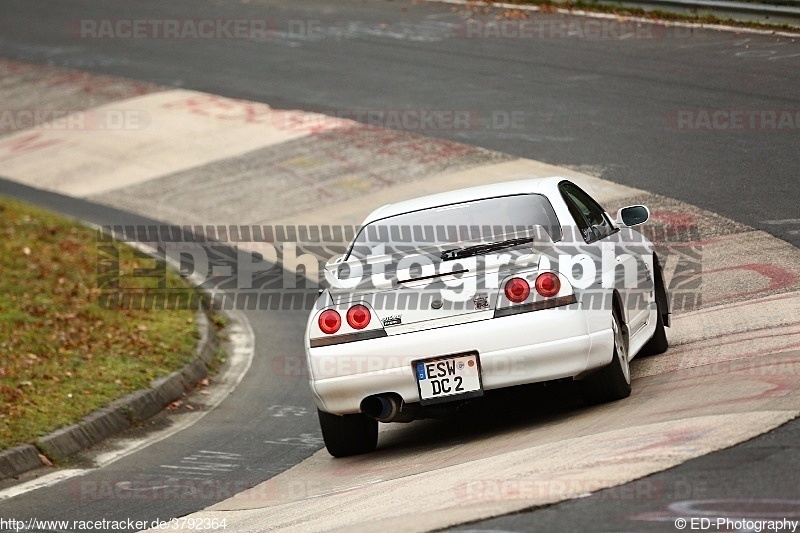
column 546, row 186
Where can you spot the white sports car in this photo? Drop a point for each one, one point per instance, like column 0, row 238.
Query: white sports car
column 441, row 298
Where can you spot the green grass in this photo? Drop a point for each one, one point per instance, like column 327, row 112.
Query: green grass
column 61, row 354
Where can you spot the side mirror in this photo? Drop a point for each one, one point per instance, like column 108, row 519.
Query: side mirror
column 633, row 215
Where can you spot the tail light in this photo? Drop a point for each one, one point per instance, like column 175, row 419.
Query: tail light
column 517, row 290
column 358, row 317
column 330, row 321
column 547, row 284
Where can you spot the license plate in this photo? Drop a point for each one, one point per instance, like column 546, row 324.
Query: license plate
column 448, row 378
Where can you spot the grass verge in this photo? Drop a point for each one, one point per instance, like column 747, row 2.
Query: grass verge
column 548, row 6
column 61, row 354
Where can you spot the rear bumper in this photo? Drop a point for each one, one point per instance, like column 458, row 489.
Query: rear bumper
column 513, row 350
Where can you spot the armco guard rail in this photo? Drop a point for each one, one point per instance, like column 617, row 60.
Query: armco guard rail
column 781, row 11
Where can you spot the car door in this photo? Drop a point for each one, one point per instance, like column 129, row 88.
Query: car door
column 619, row 265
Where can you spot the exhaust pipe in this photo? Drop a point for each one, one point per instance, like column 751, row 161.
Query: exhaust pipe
column 386, row 408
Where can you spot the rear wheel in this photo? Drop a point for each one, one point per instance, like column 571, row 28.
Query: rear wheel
column 612, row 382
column 347, row 435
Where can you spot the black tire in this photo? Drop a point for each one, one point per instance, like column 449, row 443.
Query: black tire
column 612, row 382
column 658, row 343
column 348, row 434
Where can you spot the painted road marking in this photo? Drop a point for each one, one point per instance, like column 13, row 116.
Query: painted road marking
column 786, row 222
column 304, row 440
column 281, row 411
column 304, row 174
column 174, row 131
column 207, row 463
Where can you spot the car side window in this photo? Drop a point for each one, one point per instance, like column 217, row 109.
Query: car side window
column 588, row 214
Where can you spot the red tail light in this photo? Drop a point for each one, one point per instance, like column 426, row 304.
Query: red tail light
column 358, row 317
column 330, row 321
column 517, row 290
column 548, row 284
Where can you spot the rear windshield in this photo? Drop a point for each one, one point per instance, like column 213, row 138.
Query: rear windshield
column 450, row 224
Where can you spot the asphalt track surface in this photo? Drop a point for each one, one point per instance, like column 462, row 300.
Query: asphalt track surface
column 604, row 105
column 593, row 105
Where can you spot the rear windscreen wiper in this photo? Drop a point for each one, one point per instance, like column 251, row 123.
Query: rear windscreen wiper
column 479, row 249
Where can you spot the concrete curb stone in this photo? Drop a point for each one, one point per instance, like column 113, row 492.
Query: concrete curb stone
column 19, row 459
column 120, row 415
